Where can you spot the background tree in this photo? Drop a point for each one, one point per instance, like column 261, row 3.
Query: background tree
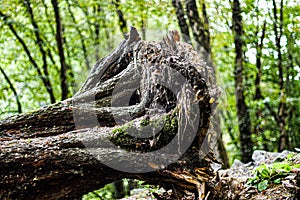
column 241, row 106
column 43, row 77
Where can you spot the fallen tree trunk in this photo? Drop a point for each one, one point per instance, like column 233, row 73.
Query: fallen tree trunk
column 143, row 112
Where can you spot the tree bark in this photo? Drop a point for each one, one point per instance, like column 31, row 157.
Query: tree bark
column 257, row 128
column 58, row 153
column 97, row 10
column 259, row 47
column 52, row 33
column 200, row 32
column 241, row 106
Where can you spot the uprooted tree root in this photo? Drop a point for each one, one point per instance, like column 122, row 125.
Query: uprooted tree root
column 44, row 155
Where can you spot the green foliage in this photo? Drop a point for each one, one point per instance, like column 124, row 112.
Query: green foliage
column 263, row 112
column 107, row 192
column 264, row 175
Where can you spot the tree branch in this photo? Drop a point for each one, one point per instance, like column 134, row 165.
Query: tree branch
column 87, row 62
column 13, row 90
column 27, row 51
column 40, row 43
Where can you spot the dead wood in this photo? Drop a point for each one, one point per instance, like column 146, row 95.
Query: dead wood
column 162, row 89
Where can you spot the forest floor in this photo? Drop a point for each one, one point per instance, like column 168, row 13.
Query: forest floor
column 269, row 176
column 273, row 175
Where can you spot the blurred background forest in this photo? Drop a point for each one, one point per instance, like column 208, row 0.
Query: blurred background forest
column 47, row 48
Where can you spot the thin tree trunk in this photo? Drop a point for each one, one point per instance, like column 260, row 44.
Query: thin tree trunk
column 258, row 95
column 241, row 106
column 70, row 74
column 143, row 24
column 122, row 21
column 41, row 44
column 206, row 27
column 283, row 142
column 45, row 81
column 53, row 33
column 48, row 17
column 97, row 43
column 11, row 86
column 259, row 47
column 201, row 35
column 84, row 50
column 184, row 28
column 290, row 74
column 60, row 46
column 97, row 10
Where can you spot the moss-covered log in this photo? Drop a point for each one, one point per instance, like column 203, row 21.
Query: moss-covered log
column 143, row 112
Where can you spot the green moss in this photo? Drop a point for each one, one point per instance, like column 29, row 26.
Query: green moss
column 129, row 136
column 120, row 135
column 171, row 124
column 121, row 130
column 144, row 122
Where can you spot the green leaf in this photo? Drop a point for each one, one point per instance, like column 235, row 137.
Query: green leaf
column 277, row 181
column 278, row 176
column 289, row 156
column 296, row 166
column 282, row 166
column 262, row 185
column 252, row 181
column 265, row 173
